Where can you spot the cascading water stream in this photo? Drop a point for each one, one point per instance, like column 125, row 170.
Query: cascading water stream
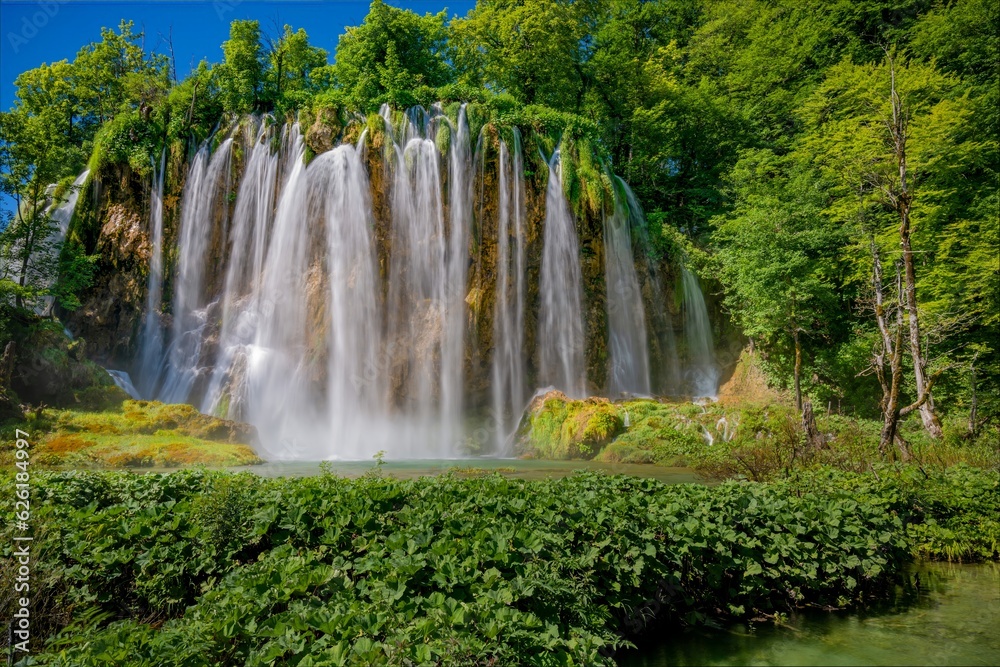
column 667, row 378
column 702, row 373
column 426, row 293
column 629, row 372
column 355, row 396
column 151, row 338
column 457, row 260
column 240, row 297
column 278, row 390
column 61, row 214
column 561, row 334
column 198, row 231
column 508, row 386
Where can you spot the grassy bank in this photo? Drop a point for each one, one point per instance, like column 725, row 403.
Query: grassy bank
column 725, row 440
column 132, row 434
column 198, row 568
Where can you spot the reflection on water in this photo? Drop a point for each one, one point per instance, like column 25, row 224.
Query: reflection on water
column 520, row 468
column 951, row 618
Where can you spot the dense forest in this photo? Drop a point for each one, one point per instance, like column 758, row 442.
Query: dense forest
column 831, row 169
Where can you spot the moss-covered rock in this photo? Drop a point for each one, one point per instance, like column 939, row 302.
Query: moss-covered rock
column 140, row 434
column 559, row 428
column 648, row 431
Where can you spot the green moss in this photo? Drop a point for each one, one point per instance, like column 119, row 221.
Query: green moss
column 755, row 441
column 443, row 139
column 127, row 139
column 563, row 429
column 139, row 434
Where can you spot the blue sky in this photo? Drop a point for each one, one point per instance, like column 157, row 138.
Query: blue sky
column 33, row 32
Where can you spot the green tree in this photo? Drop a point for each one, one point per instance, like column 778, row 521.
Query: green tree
column 292, row 61
column 533, row 49
column 31, row 157
column 117, row 74
column 778, row 256
column 393, row 52
column 893, row 139
column 240, row 76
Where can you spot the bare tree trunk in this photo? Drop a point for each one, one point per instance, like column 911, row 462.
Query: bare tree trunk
column 904, row 202
column 891, row 347
column 173, row 60
column 7, row 366
column 798, row 370
column 813, row 437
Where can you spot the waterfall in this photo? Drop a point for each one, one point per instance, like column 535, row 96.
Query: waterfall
column 426, row 294
column 457, row 260
column 240, row 296
column 702, row 373
column 198, row 232
column 124, row 382
column 61, row 213
column 337, row 310
column 508, row 386
column 667, row 377
column 151, row 338
column 561, row 333
column 626, row 314
column 279, row 368
column 354, row 394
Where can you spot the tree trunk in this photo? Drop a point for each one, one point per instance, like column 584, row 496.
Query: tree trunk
column 904, row 202
column 7, row 366
column 798, row 370
column 813, row 437
column 891, row 346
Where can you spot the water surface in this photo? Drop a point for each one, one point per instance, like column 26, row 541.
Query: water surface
column 520, row 468
column 945, row 614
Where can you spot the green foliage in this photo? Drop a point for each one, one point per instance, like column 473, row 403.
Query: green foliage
column 128, row 139
column 390, row 54
column 240, row 76
column 75, row 274
column 117, row 74
column 529, row 48
column 440, row 570
column 193, row 105
column 950, row 514
column 295, row 70
column 778, row 257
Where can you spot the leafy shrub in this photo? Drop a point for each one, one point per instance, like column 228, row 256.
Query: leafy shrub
column 127, row 138
column 440, row 570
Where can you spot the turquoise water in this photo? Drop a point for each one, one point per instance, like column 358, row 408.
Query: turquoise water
column 952, row 618
column 520, row 468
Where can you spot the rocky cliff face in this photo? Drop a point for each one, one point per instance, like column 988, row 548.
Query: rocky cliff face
column 112, row 222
